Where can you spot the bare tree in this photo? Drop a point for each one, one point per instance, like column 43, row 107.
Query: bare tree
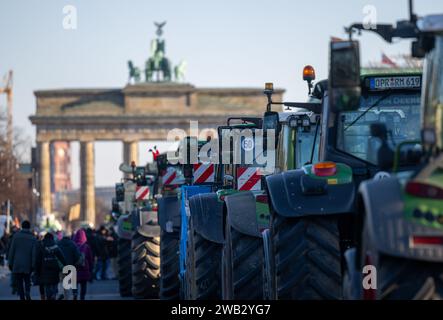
column 14, row 186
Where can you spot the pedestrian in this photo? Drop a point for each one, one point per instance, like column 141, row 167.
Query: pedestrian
column 86, row 265
column 20, row 257
column 111, row 247
column 93, row 245
column 72, row 257
column 48, row 263
column 102, row 254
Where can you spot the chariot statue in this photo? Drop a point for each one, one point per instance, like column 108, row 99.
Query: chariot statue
column 158, row 67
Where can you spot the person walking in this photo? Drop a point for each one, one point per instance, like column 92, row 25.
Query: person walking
column 93, row 245
column 86, row 265
column 102, row 254
column 72, row 257
column 20, row 257
column 48, row 263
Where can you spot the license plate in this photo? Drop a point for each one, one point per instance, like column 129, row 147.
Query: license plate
column 408, row 82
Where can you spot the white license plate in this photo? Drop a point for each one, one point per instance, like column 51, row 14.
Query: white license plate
column 395, row 82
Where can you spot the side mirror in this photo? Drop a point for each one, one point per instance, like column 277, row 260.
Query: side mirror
column 344, row 75
column 271, row 121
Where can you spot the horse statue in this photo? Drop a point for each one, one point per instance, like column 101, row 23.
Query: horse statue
column 180, row 70
column 134, row 72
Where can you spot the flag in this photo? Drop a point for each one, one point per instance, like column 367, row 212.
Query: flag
column 385, row 60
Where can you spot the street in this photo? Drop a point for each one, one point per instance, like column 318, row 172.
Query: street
column 98, row 290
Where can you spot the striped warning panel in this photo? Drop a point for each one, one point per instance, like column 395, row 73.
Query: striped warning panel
column 141, row 193
column 248, row 178
column 171, row 177
column 203, row 173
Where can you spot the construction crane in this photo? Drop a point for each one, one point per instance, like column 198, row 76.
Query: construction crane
column 7, row 89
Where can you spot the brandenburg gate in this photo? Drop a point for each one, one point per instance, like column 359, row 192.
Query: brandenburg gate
column 140, row 111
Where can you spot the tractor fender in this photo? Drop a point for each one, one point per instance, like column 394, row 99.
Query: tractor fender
column 146, row 222
column 388, row 228
column 149, row 230
column 287, row 198
column 124, row 227
column 169, row 213
column 207, row 216
column 241, row 213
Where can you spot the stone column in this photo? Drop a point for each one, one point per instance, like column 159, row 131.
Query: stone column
column 87, row 184
column 45, row 176
column 130, row 152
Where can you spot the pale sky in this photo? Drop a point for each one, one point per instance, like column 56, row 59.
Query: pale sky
column 226, row 44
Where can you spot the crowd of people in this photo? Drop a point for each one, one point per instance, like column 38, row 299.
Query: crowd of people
column 38, row 260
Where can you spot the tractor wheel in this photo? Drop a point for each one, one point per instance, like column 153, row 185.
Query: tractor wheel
column 203, row 267
column 169, row 266
column 242, row 274
column 124, row 267
column 402, row 278
column 307, row 257
column 145, row 266
column 406, row 279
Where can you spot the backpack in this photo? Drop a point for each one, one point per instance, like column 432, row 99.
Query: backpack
column 82, row 258
column 81, row 262
column 50, row 259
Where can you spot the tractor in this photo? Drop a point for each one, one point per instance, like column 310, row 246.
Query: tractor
column 246, row 210
column 313, row 209
column 224, row 246
column 171, row 178
column 399, row 251
column 141, row 207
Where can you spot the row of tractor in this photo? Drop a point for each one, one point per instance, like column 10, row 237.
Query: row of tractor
column 337, row 197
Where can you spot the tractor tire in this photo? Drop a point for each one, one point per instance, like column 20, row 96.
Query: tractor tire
column 203, row 267
column 406, row 279
column 307, row 258
column 242, row 274
column 269, row 290
column 124, row 267
column 402, row 278
column 145, row 266
column 169, row 266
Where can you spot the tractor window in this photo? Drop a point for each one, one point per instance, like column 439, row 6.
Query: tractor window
column 305, row 140
column 400, row 112
column 295, row 147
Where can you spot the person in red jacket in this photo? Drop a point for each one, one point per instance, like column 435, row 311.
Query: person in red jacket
column 85, row 265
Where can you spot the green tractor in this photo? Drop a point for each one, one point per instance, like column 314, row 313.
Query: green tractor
column 313, row 209
column 224, row 248
column 139, row 194
column 246, row 210
column 399, row 252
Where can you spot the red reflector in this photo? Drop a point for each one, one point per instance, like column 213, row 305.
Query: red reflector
column 262, row 198
column 427, row 241
column 424, row 190
column 324, row 169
